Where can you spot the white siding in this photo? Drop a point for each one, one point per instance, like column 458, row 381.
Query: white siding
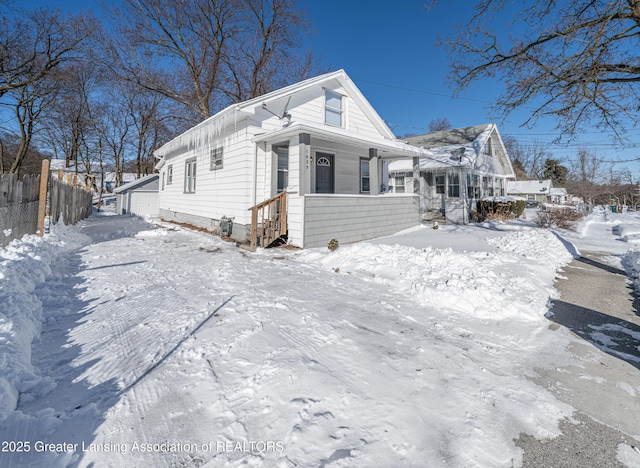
column 308, row 106
column 295, row 219
column 222, row 192
column 347, row 164
column 356, row 217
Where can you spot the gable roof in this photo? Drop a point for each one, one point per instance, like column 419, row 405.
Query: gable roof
column 444, row 138
column 136, row 183
column 538, row 187
column 443, row 142
column 247, row 108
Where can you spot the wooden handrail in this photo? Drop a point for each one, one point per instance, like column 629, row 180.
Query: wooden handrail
column 268, row 220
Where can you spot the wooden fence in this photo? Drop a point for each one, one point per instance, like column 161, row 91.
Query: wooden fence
column 18, row 206
column 25, row 204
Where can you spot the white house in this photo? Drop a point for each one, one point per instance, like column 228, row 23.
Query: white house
column 139, row 197
column 308, row 161
column 532, row 190
column 559, row 195
column 465, row 165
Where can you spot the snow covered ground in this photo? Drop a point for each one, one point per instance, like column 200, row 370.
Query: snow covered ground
column 128, row 343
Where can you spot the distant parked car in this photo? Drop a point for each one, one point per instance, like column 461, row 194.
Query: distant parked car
column 532, row 204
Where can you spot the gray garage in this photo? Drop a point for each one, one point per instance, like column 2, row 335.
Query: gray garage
column 139, row 197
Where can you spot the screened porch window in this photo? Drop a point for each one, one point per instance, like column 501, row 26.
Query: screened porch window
column 473, row 186
column 440, row 183
column 454, row 185
column 500, row 187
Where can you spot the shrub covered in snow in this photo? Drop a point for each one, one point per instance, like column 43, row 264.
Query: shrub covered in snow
column 498, row 208
column 562, row 217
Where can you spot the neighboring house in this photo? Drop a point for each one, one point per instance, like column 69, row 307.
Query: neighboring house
column 59, row 169
column 139, row 197
column 308, row 162
column 559, row 195
column 466, row 164
column 532, row 190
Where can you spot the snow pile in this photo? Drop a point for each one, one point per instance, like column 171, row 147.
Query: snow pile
column 496, row 285
column 25, row 265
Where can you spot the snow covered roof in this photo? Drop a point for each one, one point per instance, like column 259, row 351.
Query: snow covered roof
column 443, row 146
column 201, row 133
column 456, row 137
column 57, row 164
column 529, row 186
column 558, row 191
column 136, row 183
column 388, row 148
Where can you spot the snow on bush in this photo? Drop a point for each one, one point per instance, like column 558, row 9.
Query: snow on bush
column 493, row 285
column 25, row 264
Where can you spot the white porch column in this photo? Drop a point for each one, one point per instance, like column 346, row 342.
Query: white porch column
column 416, row 175
column 304, row 155
column 374, row 176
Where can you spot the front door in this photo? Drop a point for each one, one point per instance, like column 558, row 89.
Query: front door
column 324, row 173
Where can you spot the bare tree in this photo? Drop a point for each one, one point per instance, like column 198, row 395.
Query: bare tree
column 27, row 103
column 33, row 43
column 33, row 46
column 530, row 157
column 149, row 121
column 267, row 56
column 577, row 60
column 439, row 124
column 206, row 54
column 587, row 175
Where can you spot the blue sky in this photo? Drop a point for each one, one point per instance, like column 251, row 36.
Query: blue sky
column 388, row 49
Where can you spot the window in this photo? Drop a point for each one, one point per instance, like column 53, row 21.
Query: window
column 473, row 186
column 398, row 184
column 440, row 183
column 216, row 159
column 500, row 187
column 333, row 108
column 169, row 174
column 487, row 186
column 283, row 167
column 190, row 176
column 163, row 175
column 489, row 147
column 454, row 185
column 364, row 176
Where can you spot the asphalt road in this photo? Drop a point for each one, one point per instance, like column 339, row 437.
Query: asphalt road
column 598, row 304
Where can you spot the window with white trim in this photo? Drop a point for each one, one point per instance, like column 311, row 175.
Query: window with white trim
column 500, row 189
column 333, row 108
column 216, row 159
column 440, row 183
column 190, row 176
column 487, row 186
column 399, row 181
column 453, row 185
column 473, row 185
column 282, row 153
column 365, row 179
column 169, row 174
